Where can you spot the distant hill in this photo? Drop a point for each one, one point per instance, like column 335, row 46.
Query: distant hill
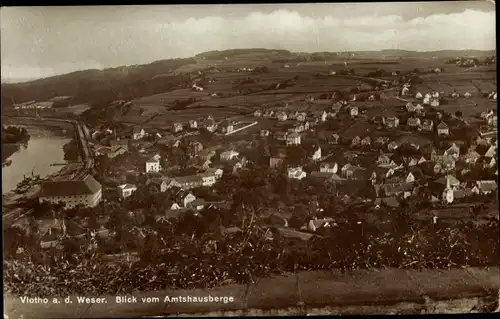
column 131, row 82
column 100, row 86
column 220, row 55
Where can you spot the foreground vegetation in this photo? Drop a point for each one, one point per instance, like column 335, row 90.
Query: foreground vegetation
column 197, row 260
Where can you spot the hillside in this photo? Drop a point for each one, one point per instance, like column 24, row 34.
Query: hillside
column 132, row 82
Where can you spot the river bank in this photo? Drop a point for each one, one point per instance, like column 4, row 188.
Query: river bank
column 43, row 149
column 384, row 291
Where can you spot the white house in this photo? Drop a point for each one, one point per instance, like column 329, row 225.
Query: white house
column 427, row 100
column 296, row 173
column 217, row 172
column 138, row 133
column 228, row 155
column 193, row 124
column 354, row 111
column 153, row 165
column 85, row 191
column 467, row 95
column 208, row 178
column 317, row 154
column 125, row 190
column 418, row 95
column 293, row 139
column 329, row 168
column 443, row 129
column 281, row 116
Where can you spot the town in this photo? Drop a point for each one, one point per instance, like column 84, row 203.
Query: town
column 382, row 169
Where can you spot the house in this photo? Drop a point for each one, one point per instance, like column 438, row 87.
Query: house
column 301, row 117
column 276, row 161
column 280, row 136
column 84, row 191
column 206, row 154
column 125, row 190
column 207, row 179
column 427, row 125
column 293, row 139
column 366, row 141
column 216, row 171
column 455, row 94
column 486, row 162
column 153, row 165
column 264, row 133
column 405, row 91
column 183, row 198
column 404, row 189
column 235, row 165
column 383, row 160
column 193, row 124
column 257, row 113
column 485, row 187
column 320, row 116
column 391, row 121
column 177, row 127
column 334, row 139
column 328, row 168
column 281, row 116
column 471, row 156
column 356, row 141
column 392, row 146
column 268, row 113
column 228, row 155
column 381, row 141
column 410, row 107
column 194, row 147
column 467, row 95
column 443, row 129
column 296, row 173
column 426, row 100
column 416, row 161
column 413, row 122
column 418, row 95
column 298, row 128
column 354, row 111
column 453, row 150
column 157, row 184
column 492, row 121
column 448, row 180
column 491, row 152
column 227, row 126
column 185, row 182
column 317, row 154
column 116, row 150
column 353, row 172
column 434, row 102
column 138, row 133
column 209, row 124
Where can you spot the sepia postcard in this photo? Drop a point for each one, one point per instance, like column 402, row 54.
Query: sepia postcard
column 249, row 159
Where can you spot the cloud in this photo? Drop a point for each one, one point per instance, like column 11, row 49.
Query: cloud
column 56, row 46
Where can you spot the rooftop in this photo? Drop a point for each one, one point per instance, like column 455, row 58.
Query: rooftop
column 85, row 186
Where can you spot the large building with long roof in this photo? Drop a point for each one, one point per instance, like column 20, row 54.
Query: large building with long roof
column 85, row 191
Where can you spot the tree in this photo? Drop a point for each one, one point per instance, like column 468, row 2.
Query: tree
column 13, row 239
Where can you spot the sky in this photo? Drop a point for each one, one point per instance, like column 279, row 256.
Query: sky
column 44, row 41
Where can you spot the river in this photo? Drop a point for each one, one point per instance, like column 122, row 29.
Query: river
column 44, row 148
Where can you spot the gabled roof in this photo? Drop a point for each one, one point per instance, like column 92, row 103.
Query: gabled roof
column 86, row 186
column 137, row 129
column 442, row 125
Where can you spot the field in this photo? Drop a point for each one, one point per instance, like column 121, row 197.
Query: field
column 237, row 97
